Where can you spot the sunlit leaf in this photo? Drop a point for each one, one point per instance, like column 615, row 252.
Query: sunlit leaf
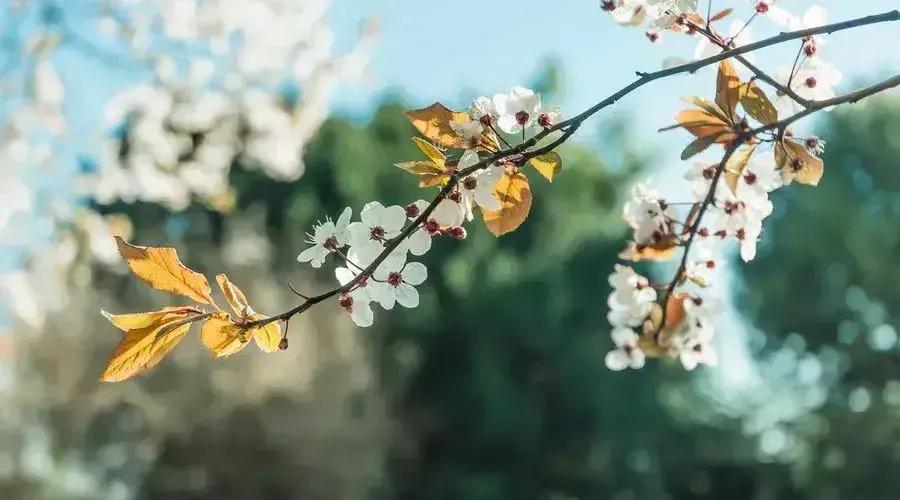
column 233, row 295
column 708, row 106
column 700, row 144
column 136, row 321
column 664, row 250
column 548, row 164
column 434, row 154
column 701, row 123
column 736, row 165
column 148, row 337
column 757, row 104
column 721, row 14
column 434, row 123
column 514, row 194
column 161, row 269
column 728, row 89
column 267, row 336
column 805, row 167
column 221, row 336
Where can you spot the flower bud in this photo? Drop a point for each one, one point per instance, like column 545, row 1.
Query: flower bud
column 457, row 232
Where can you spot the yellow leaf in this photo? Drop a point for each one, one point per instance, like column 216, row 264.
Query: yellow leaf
column 165, row 344
column 267, row 336
column 699, row 145
column 547, row 165
column 434, row 154
column 233, row 295
column 144, row 346
column 757, row 104
column 514, row 194
column 221, row 336
column 429, row 173
column 136, row 321
column 802, row 165
column 721, row 14
column 664, row 250
column 675, row 316
column 710, row 107
column 434, row 123
column 160, row 268
column 736, row 165
column 728, row 89
column 704, row 124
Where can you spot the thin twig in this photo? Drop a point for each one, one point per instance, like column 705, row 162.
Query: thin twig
column 743, row 137
column 521, row 154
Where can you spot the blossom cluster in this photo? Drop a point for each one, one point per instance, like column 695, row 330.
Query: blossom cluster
column 811, row 76
column 674, row 319
column 213, row 83
column 374, row 252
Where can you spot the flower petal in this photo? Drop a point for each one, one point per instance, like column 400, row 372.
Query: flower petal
column 362, row 314
column 372, row 213
column 419, row 242
column 617, row 360
column 415, row 273
column 394, row 218
column 407, row 295
column 312, row 254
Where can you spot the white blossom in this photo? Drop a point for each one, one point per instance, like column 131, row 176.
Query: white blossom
column 517, row 110
column 814, row 81
column 630, row 12
column 477, row 188
column 327, row 237
column 696, row 344
column 647, row 213
column 395, row 282
column 356, row 302
column 631, row 299
column 379, row 224
column 626, row 354
column 447, row 214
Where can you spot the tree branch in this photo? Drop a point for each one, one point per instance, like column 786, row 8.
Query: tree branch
column 743, row 137
column 521, row 154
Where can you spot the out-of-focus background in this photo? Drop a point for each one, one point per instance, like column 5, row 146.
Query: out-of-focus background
column 225, row 128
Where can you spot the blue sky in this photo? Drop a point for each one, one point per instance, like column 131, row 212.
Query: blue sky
column 452, row 51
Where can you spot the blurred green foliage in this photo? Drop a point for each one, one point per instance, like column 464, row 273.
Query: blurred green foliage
column 495, row 388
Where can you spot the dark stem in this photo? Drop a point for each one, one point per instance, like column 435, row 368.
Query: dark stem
column 569, row 127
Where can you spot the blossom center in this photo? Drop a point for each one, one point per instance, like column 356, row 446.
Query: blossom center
column 346, row 302
column 331, row 244
column 762, row 7
column 485, row 120
column 796, row 165
column 544, row 120
column 811, row 82
column 457, row 232
column 395, row 278
column 377, row 233
column 521, row 117
column 750, row 178
column 432, row 227
column 412, row 211
column 469, row 183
